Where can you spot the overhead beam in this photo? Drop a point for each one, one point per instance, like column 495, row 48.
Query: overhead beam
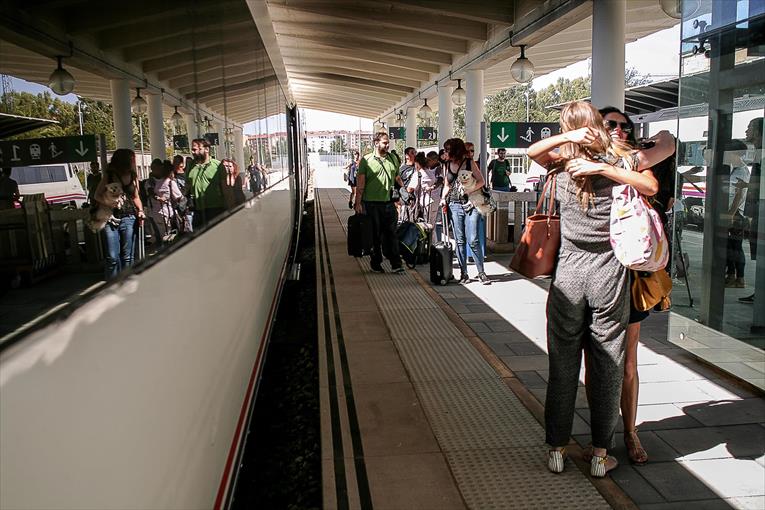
column 363, row 56
column 256, row 57
column 203, row 87
column 485, row 11
column 379, row 15
column 220, row 92
column 215, row 53
column 347, row 43
column 242, row 31
column 414, row 39
column 345, row 82
column 358, row 81
column 357, row 69
column 230, row 71
column 349, row 91
column 381, row 78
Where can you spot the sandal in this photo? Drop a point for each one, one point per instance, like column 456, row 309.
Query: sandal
column 599, row 466
column 556, row 459
column 635, row 450
column 587, row 453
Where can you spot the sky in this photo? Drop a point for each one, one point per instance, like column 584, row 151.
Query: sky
column 649, row 55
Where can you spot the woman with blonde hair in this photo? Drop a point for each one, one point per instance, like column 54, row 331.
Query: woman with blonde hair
column 588, row 302
column 232, row 184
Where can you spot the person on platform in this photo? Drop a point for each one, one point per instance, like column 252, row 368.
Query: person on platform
column 752, row 204
column 9, row 190
column 375, row 180
column 94, row 177
column 499, row 172
column 232, row 185
column 205, row 184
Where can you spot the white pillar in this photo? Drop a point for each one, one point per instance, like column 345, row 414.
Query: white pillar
column 474, row 106
column 191, row 126
column 445, row 115
column 156, row 127
column 411, row 126
column 609, row 19
column 123, row 118
column 239, row 149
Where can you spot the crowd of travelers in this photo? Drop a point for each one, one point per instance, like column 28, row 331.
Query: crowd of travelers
column 177, row 198
column 590, row 310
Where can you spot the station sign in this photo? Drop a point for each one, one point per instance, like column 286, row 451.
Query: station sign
column 397, row 133
column 47, row 151
column 520, row 135
column 212, row 138
column 180, row 142
column 427, row 133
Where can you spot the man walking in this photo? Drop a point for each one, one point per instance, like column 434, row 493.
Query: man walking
column 205, row 183
column 499, row 170
column 752, row 203
column 375, row 178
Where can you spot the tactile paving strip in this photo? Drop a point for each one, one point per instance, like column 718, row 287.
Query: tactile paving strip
column 518, row 478
column 495, row 448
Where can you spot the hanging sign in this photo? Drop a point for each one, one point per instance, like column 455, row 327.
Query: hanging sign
column 46, row 151
column 520, row 135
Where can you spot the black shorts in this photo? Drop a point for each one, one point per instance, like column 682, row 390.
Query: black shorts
column 635, row 314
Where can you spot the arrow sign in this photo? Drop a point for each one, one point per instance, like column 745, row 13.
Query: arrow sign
column 520, row 135
column 82, row 150
column 502, row 137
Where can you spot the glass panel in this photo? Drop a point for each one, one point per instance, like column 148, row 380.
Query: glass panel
column 719, row 227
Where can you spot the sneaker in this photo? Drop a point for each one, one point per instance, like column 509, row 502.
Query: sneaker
column 599, row 466
column 740, row 283
column 399, row 269
column 377, row 268
column 484, row 279
column 747, row 299
column 556, row 460
column 464, row 278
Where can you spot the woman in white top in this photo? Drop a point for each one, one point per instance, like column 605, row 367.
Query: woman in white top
column 426, row 186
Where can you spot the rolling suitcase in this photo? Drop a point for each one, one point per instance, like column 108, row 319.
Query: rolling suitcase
column 441, row 255
column 359, row 235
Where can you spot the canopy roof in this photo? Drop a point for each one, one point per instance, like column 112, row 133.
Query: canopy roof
column 11, row 125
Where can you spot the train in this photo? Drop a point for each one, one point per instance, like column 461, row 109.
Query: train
column 139, row 393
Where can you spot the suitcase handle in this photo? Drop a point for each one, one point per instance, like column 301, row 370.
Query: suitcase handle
column 444, row 224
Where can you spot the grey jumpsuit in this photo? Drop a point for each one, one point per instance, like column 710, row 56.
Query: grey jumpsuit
column 587, row 308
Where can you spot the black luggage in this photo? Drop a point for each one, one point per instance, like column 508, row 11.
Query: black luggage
column 441, row 255
column 359, row 235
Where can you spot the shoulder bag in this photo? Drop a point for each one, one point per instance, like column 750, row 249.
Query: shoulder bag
column 537, row 252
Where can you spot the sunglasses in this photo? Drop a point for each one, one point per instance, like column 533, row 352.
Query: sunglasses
column 625, row 126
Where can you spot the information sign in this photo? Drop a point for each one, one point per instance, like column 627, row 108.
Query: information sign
column 520, row 135
column 180, row 142
column 212, row 138
column 427, row 133
column 397, row 133
column 46, row 151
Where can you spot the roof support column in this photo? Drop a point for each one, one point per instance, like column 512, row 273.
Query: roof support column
column 609, row 20
column 239, row 149
column 156, row 127
column 474, row 106
column 445, row 115
column 123, row 117
column 411, row 126
column 191, row 126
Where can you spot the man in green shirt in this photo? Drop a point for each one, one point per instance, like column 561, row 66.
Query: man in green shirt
column 375, row 178
column 204, row 184
column 498, row 170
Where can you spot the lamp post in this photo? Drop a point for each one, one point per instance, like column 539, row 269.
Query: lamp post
column 526, row 93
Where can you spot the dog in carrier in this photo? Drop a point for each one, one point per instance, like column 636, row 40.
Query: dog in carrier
column 101, row 213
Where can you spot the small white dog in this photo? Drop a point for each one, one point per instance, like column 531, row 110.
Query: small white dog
column 101, row 213
column 475, row 197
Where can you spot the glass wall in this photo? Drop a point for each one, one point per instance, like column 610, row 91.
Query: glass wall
column 720, row 227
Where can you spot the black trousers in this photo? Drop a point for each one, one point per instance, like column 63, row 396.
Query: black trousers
column 384, row 218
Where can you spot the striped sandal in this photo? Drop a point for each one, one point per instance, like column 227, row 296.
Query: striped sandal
column 599, row 466
column 556, row 459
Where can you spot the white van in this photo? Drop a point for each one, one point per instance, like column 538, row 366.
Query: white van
column 58, row 182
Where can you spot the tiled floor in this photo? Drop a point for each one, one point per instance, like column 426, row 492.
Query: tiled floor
column 703, row 430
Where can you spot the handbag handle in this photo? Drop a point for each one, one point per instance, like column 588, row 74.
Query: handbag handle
column 541, row 201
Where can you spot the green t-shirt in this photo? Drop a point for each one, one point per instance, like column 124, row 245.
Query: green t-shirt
column 380, row 176
column 499, row 170
column 205, row 185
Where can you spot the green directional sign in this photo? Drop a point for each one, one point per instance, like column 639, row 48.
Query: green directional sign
column 397, row 133
column 520, row 135
column 46, row 151
column 427, row 133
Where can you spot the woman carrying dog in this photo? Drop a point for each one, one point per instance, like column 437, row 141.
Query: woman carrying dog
column 120, row 238
column 588, row 302
column 463, row 216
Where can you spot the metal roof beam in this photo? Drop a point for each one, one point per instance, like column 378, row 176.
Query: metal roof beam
column 242, row 31
column 388, row 73
column 357, row 81
column 403, row 64
column 201, row 88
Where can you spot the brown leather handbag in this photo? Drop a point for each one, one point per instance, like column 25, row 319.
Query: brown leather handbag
column 537, row 252
column 651, row 290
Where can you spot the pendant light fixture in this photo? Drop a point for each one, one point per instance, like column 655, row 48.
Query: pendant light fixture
column 425, row 112
column 139, row 104
column 522, row 69
column 459, row 95
column 61, row 81
column 176, row 118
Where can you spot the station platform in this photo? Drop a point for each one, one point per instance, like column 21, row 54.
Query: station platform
column 432, row 397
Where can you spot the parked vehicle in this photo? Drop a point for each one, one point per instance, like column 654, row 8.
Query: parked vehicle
column 59, row 183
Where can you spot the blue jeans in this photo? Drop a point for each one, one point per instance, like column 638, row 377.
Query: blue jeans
column 501, row 188
column 481, row 239
column 119, row 246
column 465, row 227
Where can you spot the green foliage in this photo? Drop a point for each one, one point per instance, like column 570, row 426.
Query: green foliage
column 337, row 145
